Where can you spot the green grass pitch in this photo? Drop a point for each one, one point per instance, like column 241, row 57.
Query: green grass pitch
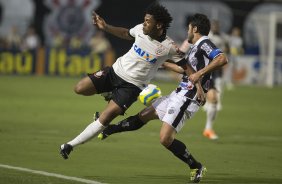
column 37, row 114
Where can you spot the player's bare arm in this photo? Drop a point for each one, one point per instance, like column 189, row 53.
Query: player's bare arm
column 218, row 62
column 200, row 92
column 173, row 67
column 189, row 70
column 100, row 23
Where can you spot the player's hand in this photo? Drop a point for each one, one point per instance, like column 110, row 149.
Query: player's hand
column 201, row 96
column 195, row 77
column 98, row 21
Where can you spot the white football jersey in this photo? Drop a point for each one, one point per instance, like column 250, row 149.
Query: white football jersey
column 140, row 64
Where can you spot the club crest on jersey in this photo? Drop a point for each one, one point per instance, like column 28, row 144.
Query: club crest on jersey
column 99, row 73
column 171, row 111
column 193, row 61
column 160, row 50
column 148, row 57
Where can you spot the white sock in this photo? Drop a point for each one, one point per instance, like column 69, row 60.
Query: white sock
column 211, row 113
column 219, row 105
column 92, row 130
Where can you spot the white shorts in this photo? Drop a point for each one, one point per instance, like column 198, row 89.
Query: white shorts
column 175, row 108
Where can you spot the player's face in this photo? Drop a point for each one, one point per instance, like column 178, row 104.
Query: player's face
column 190, row 34
column 149, row 25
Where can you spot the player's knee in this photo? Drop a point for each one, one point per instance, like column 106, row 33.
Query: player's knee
column 85, row 87
column 105, row 118
column 212, row 96
column 165, row 140
column 82, row 89
column 78, row 89
column 110, row 113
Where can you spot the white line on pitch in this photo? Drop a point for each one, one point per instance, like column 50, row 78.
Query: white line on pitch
column 50, row 174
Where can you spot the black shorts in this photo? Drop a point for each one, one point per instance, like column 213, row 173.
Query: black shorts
column 208, row 84
column 124, row 93
column 212, row 84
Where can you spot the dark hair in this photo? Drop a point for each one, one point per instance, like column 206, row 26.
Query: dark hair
column 202, row 23
column 160, row 14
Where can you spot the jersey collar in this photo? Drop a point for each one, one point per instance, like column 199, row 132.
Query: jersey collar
column 201, row 39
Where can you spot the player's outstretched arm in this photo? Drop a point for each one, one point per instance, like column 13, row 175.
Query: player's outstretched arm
column 201, row 97
column 100, row 23
column 188, row 70
column 173, row 67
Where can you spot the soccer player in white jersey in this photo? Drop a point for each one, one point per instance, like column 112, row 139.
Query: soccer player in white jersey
column 204, row 57
column 131, row 72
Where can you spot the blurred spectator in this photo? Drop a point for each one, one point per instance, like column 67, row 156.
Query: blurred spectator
column 58, row 41
column 220, row 39
column 236, row 49
column 99, row 43
column 31, row 40
column 214, row 95
column 3, row 43
column 236, row 42
column 75, row 42
column 14, row 39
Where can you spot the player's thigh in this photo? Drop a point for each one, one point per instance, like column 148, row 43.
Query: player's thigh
column 160, row 106
column 125, row 95
column 176, row 111
column 219, row 84
column 167, row 134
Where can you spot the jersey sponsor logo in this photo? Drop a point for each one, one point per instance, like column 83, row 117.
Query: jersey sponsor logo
column 194, row 50
column 142, row 53
column 186, row 85
column 207, row 48
column 191, row 55
column 193, row 61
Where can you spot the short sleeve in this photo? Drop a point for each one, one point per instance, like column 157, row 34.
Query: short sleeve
column 133, row 31
column 210, row 50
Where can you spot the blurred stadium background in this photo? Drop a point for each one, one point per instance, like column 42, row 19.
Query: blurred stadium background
column 47, row 45
column 67, row 42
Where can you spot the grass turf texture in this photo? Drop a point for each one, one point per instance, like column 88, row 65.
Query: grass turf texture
column 37, row 114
